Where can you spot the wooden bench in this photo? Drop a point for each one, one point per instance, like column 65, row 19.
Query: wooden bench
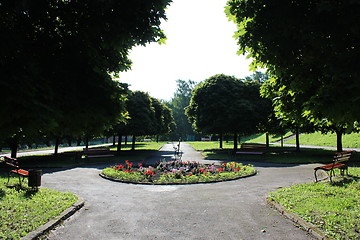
column 97, row 152
column 13, row 163
column 328, row 171
column 252, row 148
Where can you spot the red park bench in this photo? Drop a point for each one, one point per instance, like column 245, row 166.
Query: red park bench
column 328, row 171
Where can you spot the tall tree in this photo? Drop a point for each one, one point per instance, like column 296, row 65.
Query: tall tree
column 163, row 118
column 177, row 104
column 311, row 47
column 141, row 115
column 223, row 104
column 57, row 56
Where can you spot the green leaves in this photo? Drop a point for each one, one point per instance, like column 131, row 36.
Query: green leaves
column 309, row 47
column 223, row 104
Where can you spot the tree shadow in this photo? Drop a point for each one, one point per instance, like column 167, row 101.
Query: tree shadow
column 346, row 180
column 2, row 194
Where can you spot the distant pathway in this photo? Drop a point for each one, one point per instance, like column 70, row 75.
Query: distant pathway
column 226, row 210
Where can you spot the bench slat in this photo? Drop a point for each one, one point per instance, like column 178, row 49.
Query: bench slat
column 21, row 172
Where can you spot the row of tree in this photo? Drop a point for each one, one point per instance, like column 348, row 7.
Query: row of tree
column 310, row 49
column 57, row 61
column 146, row 116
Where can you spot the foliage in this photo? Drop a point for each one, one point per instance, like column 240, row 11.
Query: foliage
column 178, row 103
column 146, row 116
column 163, row 117
column 57, row 58
column 334, row 208
column 223, row 104
column 23, row 210
column 177, row 172
column 312, row 54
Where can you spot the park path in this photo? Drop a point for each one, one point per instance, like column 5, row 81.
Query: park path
column 226, row 210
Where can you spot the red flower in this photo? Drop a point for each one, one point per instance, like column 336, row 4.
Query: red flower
column 220, row 169
column 129, row 164
column 149, row 173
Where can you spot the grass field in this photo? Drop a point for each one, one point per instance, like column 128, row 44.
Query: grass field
column 24, row 210
column 276, row 154
column 334, row 208
column 316, row 139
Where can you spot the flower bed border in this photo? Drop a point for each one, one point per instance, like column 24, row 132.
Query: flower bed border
column 174, row 183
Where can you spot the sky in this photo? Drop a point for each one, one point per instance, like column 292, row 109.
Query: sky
column 199, row 44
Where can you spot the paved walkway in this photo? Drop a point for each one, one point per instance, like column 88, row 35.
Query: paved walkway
column 225, row 210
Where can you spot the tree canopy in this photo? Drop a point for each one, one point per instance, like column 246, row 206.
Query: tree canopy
column 224, row 104
column 311, row 47
column 146, row 116
column 57, row 58
column 177, row 104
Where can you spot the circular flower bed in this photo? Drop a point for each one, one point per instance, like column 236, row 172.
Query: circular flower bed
column 177, row 172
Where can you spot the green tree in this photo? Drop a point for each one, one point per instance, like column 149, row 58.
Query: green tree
column 163, row 118
column 311, row 49
column 141, row 120
column 223, row 105
column 57, row 56
column 177, row 104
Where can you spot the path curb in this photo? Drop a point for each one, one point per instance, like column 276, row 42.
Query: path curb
column 44, row 229
column 309, row 227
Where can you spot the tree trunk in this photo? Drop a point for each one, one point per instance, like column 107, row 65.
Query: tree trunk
column 267, row 140
column 339, row 134
column 133, row 144
column 78, row 142
column 126, row 139
column 86, row 143
column 157, row 138
column 297, row 140
column 69, row 142
column 282, row 141
column 235, row 141
column 221, row 141
column 114, row 140
column 13, row 146
column 57, row 142
column 119, row 143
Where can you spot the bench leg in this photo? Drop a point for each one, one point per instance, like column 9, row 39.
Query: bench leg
column 343, row 171
column 320, row 175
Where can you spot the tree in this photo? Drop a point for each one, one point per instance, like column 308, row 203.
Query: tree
column 177, row 104
column 141, row 115
column 223, row 104
column 287, row 110
column 56, row 56
column 163, row 118
column 311, row 49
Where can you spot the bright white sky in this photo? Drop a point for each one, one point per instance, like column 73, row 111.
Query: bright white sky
column 199, row 45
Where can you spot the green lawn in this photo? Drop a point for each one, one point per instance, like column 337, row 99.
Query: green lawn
column 23, row 210
column 334, row 208
column 318, row 139
column 275, row 154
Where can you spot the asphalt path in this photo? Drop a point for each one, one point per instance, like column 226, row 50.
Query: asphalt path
column 225, row 210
